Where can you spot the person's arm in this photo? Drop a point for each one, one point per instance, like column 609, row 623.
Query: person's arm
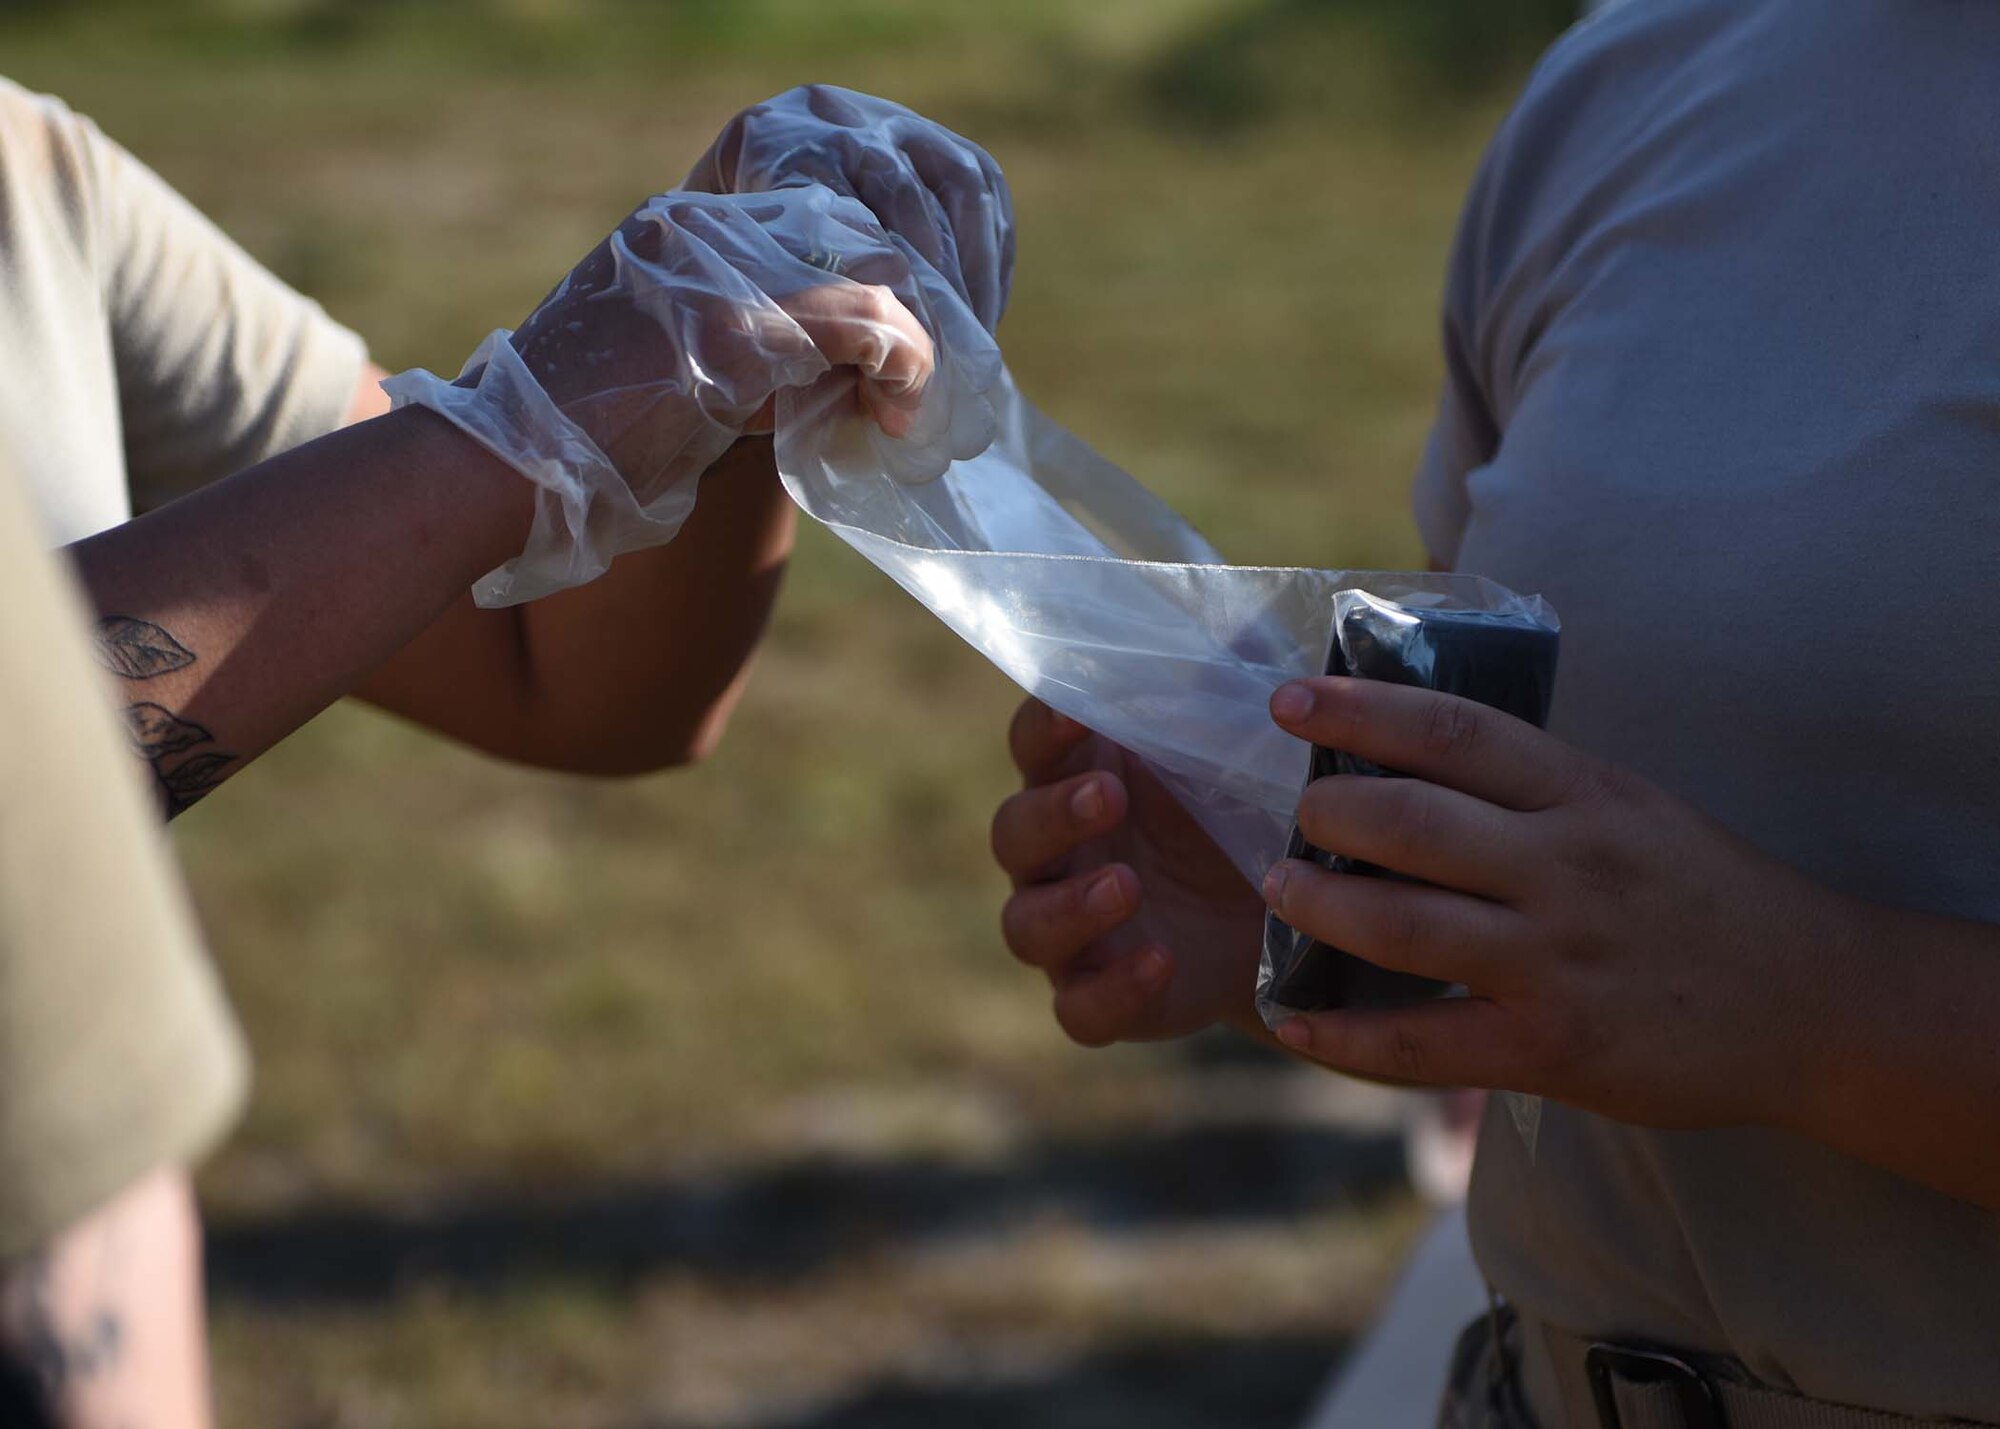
column 1627, row 955
column 102, row 1328
column 639, row 669
column 238, row 612
column 636, row 671
column 224, row 365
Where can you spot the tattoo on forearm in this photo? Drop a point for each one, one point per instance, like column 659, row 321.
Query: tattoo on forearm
column 61, row 1357
column 54, row 1357
column 183, row 771
column 138, row 649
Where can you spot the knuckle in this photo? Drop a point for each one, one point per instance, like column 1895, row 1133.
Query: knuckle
column 1411, row 816
column 1029, row 840
column 1597, row 868
column 1406, row 928
column 1451, row 729
column 1021, row 732
column 1017, row 930
column 1079, row 1024
column 1315, row 811
column 1562, row 1048
column 1000, row 835
column 1338, row 708
column 881, row 302
column 1409, row 1059
column 1600, row 784
column 1032, row 736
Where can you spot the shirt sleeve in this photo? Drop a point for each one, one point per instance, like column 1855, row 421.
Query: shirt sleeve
column 219, row 364
column 118, row 1053
column 1465, row 434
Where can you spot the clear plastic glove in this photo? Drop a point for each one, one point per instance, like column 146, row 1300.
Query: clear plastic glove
column 672, row 338
column 941, row 194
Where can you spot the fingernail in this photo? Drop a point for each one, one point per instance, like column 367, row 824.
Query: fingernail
column 1274, row 884
column 1106, row 896
column 1087, row 803
column 1296, row 1034
column 1292, row 703
column 1153, row 967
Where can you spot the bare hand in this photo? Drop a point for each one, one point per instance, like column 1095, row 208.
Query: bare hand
column 1624, row 953
column 1142, row 925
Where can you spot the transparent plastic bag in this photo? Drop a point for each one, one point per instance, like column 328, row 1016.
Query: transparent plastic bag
column 1101, row 601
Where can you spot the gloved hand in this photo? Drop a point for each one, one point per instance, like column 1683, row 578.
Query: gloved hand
column 672, row 337
column 941, row 194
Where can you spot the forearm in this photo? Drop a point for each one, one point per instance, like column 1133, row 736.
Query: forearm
column 237, row 613
column 637, row 670
column 1902, row 1049
column 103, row 1328
column 642, row 667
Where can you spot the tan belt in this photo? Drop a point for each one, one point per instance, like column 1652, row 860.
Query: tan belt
column 1604, row 1386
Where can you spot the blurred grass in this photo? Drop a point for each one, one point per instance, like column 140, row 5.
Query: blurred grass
column 457, row 975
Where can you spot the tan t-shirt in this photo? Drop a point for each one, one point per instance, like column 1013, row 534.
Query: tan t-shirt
column 140, row 350
column 117, row 1052
column 1724, row 342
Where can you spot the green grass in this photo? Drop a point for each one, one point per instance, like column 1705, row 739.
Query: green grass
column 468, row 981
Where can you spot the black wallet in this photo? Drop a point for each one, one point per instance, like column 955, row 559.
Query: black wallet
column 1503, row 659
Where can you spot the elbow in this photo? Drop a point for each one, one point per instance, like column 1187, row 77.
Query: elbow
column 629, row 754
column 696, row 742
column 682, row 750
column 703, row 741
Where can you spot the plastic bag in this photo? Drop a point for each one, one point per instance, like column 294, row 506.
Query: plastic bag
column 1099, row 600
column 1505, row 658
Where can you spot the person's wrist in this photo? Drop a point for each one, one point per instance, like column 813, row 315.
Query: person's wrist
column 493, row 503
column 1832, row 983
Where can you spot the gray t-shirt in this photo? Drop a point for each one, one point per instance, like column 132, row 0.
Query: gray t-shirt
column 1723, row 333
